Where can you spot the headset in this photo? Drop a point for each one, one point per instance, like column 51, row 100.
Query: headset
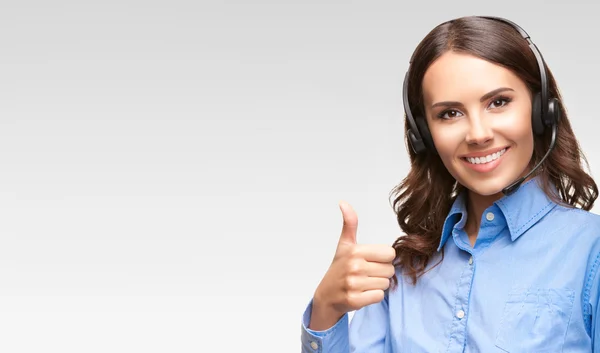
column 545, row 111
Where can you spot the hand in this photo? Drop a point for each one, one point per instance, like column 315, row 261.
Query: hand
column 357, row 276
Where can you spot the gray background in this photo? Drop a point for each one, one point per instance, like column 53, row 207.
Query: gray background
column 170, row 171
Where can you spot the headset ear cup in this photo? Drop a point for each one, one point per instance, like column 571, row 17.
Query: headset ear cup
column 425, row 134
column 536, row 115
column 417, row 145
column 553, row 111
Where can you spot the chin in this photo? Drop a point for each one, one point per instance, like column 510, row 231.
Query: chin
column 486, row 190
column 489, row 187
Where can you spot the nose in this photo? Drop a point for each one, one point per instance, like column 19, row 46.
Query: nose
column 480, row 132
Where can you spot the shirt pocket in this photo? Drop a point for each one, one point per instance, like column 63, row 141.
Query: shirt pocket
column 535, row 320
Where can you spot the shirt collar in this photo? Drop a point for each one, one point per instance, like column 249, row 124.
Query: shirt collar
column 522, row 210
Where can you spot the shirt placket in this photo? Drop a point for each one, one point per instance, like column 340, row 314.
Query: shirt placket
column 488, row 231
column 460, row 309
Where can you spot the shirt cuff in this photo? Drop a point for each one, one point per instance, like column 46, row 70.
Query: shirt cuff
column 332, row 340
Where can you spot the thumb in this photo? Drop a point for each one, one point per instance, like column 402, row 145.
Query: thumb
column 350, row 223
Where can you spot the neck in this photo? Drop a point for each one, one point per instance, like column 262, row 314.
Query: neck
column 476, row 204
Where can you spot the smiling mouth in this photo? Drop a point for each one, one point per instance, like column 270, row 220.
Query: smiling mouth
column 485, row 159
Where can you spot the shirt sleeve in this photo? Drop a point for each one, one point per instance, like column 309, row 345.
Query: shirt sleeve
column 367, row 332
column 591, row 291
column 332, row 340
column 594, row 308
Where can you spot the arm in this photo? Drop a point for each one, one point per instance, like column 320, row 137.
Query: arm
column 594, row 309
column 367, row 332
column 357, row 280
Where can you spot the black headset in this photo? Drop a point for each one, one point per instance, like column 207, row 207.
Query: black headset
column 545, row 110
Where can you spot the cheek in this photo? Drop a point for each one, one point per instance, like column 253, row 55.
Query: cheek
column 447, row 140
column 447, row 144
column 516, row 128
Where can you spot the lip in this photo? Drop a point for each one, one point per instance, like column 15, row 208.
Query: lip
column 485, row 167
column 484, row 153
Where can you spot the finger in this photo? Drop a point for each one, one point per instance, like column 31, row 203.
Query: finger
column 362, row 299
column 373, row 283
column 364, row 283
column 350, row 223
column 376, row 253
column 378, row 269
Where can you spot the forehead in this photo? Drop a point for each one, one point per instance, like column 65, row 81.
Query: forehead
column 459, row 77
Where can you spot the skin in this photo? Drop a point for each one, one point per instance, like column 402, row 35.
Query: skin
column 358, row 275
column 477, row 123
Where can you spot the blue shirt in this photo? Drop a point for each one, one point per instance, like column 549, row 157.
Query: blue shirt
column 530, row 284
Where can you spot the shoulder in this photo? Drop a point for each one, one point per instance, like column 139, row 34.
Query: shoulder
column 570, row 232
column 559, row 225
column 574, row 220
column 577, row 232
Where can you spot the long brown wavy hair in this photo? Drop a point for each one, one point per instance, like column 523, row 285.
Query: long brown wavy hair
column 424, row 197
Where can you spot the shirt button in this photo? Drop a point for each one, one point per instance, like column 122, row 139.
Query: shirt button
column 460, row 314
column 314, row 345
column 489, row 216
column 471, row 260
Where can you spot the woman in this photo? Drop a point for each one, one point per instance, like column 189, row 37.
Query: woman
column 501, row 253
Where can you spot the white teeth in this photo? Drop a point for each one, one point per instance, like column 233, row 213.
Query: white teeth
column 486, row 159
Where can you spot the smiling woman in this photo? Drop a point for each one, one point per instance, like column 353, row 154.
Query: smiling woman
column 485, row 140
column 478, row 124
column 500, row 252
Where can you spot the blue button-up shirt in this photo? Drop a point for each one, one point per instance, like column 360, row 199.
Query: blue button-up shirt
column 530, row 284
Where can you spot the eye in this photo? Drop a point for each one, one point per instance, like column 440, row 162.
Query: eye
column 448, row 114
column 499, row 102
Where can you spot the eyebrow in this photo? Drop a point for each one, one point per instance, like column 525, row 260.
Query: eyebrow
column 483, row 98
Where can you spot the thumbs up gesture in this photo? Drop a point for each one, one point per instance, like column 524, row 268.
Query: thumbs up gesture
column 358, row 276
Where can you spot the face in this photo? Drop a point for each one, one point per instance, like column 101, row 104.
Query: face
column 479, row 115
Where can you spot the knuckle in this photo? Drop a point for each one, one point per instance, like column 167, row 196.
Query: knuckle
column 353, row 301
column 355, row 251
column 349, row 282
column 355, row 266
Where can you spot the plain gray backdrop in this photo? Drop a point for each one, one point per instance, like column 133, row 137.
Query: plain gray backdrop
column 170, row 170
